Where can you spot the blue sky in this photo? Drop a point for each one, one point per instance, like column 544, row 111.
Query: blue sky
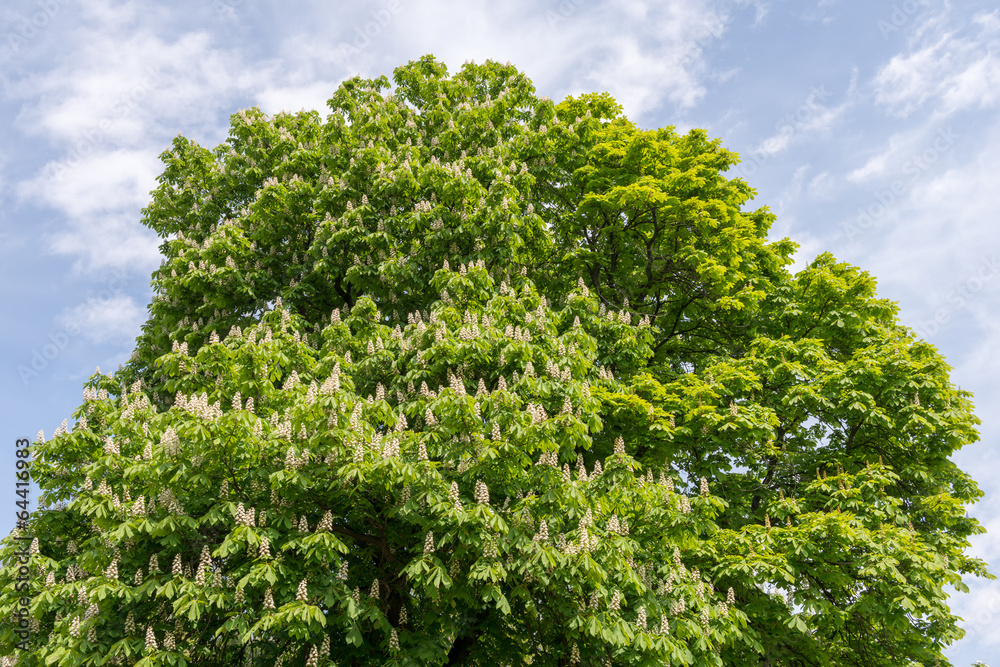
column 869, row 128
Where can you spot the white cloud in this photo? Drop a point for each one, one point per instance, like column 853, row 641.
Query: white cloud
column 811, row 118
column 100, row 196
column 126, row 80
column 980, row 607
column 115, row 319
column 83, row 186
column 958, row 71
column 910, row 153
column 109, row 109
column 822, row 186
column 565, row 48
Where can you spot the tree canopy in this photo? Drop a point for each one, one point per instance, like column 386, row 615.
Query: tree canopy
column 461, row 376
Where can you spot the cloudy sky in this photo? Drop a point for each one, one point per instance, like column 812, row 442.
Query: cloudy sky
column 870, row 128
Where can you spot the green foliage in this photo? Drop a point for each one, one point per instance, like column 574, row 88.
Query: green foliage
column 332, row 448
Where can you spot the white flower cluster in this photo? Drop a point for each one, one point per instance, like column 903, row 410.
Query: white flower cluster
column 138, row 507
column 178, row 566
column 170, row 502
column 543, row 532
column 284, row 429
column 401, row 423
column 567, row 407
column 537, row 412
column 549, row 458
column 457, row 384
column 244, row 517
column 291, row 381
column 293, row 462
column 619, row 446
column 332, row 383
column 390, row 448
column 61, row 430
column 454, row 497
column 587, row 542
column 170, row 442
column 481, row 389
column 469, row 333
column 482, row 493
column 516, row 333
column 199, row 406
column 204, row 566
column 110, row 446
